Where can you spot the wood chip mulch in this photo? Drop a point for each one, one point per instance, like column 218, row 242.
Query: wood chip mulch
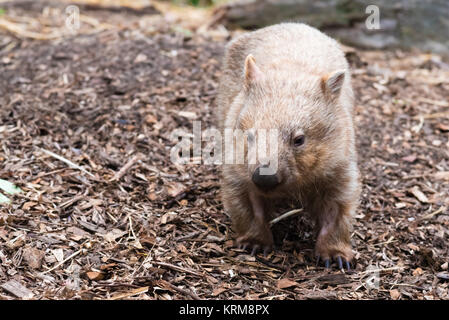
column 127, row 223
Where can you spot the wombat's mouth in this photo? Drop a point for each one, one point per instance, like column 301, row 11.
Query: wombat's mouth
column 272, row 193
column 268, row 193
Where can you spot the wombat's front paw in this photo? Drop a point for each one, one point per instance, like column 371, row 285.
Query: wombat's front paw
column 341, row 253
column 256, row 242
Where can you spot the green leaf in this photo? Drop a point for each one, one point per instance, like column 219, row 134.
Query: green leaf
column 8, row 187
column 4, row 199
column 2, row 11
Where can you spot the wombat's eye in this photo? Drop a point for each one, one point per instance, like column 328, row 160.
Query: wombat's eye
column 299, row 140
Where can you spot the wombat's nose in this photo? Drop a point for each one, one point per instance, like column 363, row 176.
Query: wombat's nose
column 265, row 182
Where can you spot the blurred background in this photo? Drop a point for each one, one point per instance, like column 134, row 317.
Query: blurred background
column 402, row 23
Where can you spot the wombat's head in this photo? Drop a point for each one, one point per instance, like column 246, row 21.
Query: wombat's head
column 298, row 119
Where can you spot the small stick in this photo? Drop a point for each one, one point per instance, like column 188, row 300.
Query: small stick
column 70, row 163
column 130, row 293
column 176, row 268
column 285, row 215
column 14, row 28
column 434, row 102
column 433, row 115
column 126, row 167
column 431, row 215
column 63, row 261
column 381, row 270
column 271, row 265
column 173, row 287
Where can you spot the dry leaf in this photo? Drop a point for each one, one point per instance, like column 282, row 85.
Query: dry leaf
column 59, row 254
column 443, row 275
column 77, row 234
column 419, row 194
column 33, row 257
column 417, row 272
column 140, row 58
column 395, row 294
column 443, row 127
column 286, row 283
column 114, row 234
column 147, row 240
column 442, row 175
column 188, row 115
column 16, row 242
column 411, row 158
column 175, row 189
column 150, row 119
column 218, row 291
column 400, row 205
column 28, row 205
column 17, row 289
column 95, row 275
column 413, row 247
column 168, row 217
column 152, row 196
column 107, row 266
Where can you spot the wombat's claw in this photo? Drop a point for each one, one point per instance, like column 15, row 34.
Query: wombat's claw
column 242, row 246
column 327, row 262
column 342, row 261
column 255, row 249
column 266, row 251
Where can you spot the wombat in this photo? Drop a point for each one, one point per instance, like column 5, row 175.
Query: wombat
column 295, row 79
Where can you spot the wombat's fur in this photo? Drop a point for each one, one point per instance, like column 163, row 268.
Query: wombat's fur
column 295, row 79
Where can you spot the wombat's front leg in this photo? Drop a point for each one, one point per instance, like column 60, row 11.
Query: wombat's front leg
column 249, row 219
column 333, row 232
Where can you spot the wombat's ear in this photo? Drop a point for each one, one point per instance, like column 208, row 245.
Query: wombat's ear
column 252, row 71
column 333, row 82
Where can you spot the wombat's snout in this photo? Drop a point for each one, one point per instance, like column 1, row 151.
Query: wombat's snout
column 264, row 181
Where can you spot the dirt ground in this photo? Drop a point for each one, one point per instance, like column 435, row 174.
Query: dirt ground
column 130, row 224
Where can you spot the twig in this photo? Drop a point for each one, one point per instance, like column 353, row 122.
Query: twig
column 434, row 102
column 14, row 28
column 381, row 270
column 271, row 265
column 116, row 285
column 73, row 200
column 285, row 215
column 176, row 268
column 63, row 261
column 403, row 285
column 185, row 292
column 385, row 242
column 68, row 162
column 431, row 215
column 126, row 167
column 433, row 115
column 275, row 297
column 130, row 293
